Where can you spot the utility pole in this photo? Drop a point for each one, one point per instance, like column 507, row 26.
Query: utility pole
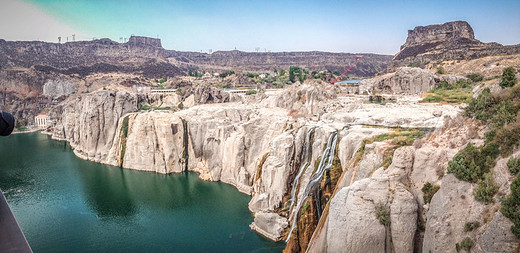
column 59, row 40
column 73, row 37
column 67, row 38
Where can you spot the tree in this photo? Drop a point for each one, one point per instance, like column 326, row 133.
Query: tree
column 508, row 77
column 293, row 70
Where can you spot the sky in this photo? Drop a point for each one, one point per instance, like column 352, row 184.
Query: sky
column 362, row 26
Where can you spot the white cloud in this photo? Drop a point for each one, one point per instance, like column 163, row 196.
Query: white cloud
column 24, row 21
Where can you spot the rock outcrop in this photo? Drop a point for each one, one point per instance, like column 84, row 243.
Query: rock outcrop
column 433, row 33
column 151, row 141
column 261, row 61
column 405, row 80
column 89, row 122
column 58, row 88
column 353, row 225
column 449, row 41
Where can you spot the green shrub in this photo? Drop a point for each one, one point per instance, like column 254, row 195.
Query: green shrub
column 387, row 160
column 508, row 77
column 252, row 75
column 441, row 70
column 513, row 164
column 475, row 77
column 470, row 226
column 251, row 92
column 504, row 113
column 469, row 164
column 466, row 244
column 507, row 138
column 227, row 73
column 382, row 214
column 180, row 106
column 429, row 190
column 458, row 92
column 480, row 108
column 511, row 206
column 487, row 188
column 293, row 71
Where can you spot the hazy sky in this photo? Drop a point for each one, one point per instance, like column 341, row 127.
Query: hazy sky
column 305, row 25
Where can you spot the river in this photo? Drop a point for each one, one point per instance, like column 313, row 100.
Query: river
column 66, row 204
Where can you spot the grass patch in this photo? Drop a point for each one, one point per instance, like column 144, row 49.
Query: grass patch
column 429, row 190
column 400, row 137
column 453, row 93
column 382, row 214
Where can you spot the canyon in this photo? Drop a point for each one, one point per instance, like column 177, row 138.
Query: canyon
column 328, row 169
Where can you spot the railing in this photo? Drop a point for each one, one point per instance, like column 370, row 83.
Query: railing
column 11, row 236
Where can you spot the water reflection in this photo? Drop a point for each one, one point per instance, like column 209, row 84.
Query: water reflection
column 65, row 204
column 106, row 191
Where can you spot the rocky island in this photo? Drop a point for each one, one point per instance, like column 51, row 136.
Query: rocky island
column 420, row 156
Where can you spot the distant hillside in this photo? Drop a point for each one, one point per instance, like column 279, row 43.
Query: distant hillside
column 369, row 65
column 146, row 57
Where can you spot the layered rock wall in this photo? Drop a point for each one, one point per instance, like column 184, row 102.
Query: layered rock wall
column 90, row 122
column 448, row 41
column 444, row 32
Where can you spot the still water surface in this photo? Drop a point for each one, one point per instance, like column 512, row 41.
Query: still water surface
column 65, row 204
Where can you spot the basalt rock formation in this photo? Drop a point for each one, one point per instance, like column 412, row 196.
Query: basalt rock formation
column 452, row 40
column 27, row 67
column 370, row 64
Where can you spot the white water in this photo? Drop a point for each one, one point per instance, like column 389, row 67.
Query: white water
column 325, row 164
column 306, row 156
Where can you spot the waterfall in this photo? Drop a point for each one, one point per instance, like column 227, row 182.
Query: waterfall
column 324, row 165
column 306, row 156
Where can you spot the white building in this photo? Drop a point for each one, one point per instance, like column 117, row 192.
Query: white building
column 42, row 121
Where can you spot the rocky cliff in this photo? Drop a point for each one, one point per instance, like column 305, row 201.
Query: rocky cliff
column 370, row 64
column 404, row 80
column 36, row 76
column 452, row 40
column 319, row 176
column 256, row 146
column 89, row 122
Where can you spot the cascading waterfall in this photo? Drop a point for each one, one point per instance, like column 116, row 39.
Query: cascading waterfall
column 306, row 156
column 324, row 165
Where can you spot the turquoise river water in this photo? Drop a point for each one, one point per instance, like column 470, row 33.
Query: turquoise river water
column 65, row 204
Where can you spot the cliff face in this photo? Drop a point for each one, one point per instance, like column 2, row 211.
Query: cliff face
column 253, row 145
column 89, row 122
column 266, row 149
column 370, row 64
column 433, row 33
column 36, row 76
column 449, row 41
column 404, row 80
